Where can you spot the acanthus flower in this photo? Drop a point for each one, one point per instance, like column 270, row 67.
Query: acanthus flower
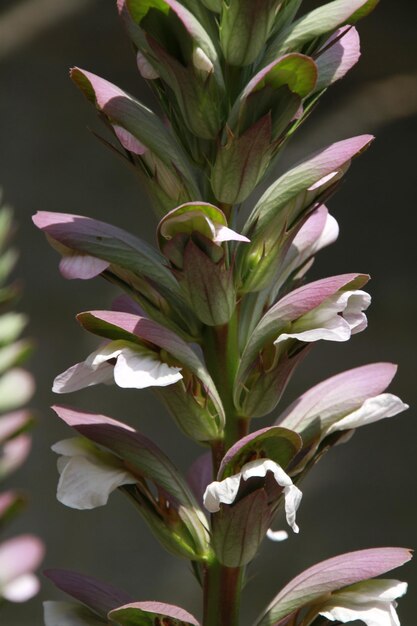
column 126, row 364
column 372, row 602
column 227, row 490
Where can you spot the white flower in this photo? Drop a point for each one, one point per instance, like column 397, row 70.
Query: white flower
column 371, row 601
column 135, row 367
column 225, row 491
column 372, row 410
column 88, row 475
column 197, row 220
column 336, row 319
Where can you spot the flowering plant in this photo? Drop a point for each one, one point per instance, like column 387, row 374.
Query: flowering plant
column 21, row 555
column 218, row 318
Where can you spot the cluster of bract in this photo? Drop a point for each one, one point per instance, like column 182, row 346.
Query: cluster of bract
column 217, row 319
column 21, row 555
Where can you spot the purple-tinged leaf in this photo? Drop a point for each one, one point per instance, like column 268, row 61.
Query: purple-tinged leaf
column 81, row 266
column 98, row 596
column 311, row 175
column 107, row 243
column 278, row 444
column 324, row 20
column 125, row 304
column 147, row 614
column 140, row 122
column 329, row 576
column 337, row 57
column 199, row 475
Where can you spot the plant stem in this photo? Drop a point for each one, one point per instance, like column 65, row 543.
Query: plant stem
column 222, row 586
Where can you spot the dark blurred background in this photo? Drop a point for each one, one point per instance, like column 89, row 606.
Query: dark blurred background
column 364, row 493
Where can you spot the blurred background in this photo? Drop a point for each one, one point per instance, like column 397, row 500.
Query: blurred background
column 362, row 494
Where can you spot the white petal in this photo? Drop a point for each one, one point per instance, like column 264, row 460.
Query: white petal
column 223, row 233
column 201, row 61
column 86, row 484
column 375, row 589
column 73, row 446
column 329, row 234
column 136, row 370
column 105, row 353
column 276, row 535
column 80, row 376
column 336, row 329
column 371, row 601
column 336, row 319
column 292, row 501
column 372, row 410
column 224, row 492
column 21, row 589
column 357, row 302
column 379, row 615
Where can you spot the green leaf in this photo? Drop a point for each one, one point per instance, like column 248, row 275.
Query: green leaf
column 244, row 28
column 322, row 21
column 241, row 163
column 239, row 529
column 208, row 286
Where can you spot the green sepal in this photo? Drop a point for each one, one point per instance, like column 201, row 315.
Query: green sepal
column 208, row 286
column 242, row 162
column 238, row 530
column 314, row 25
column 245, row 26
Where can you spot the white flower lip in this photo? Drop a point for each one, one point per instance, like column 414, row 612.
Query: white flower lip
column 336, row 319
column 225, row 491
column 134, row 368
column 87, row 479
column 372, row 410
column 372, row 602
